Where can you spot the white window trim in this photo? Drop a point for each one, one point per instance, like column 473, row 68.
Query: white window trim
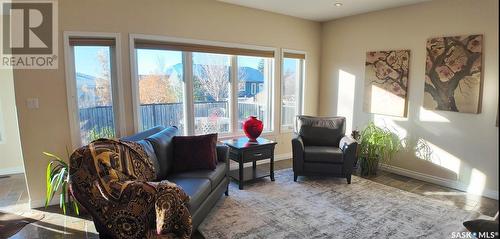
column 187, row 66
column 233, row 110
column 116, row 82
column 234, row 132
column 300, row 87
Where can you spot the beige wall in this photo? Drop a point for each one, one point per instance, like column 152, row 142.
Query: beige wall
column 11, row 160
column 47, row 128
column 464, row 146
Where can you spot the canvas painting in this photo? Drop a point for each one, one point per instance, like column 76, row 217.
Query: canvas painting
column 386, row 82
column 453, row 74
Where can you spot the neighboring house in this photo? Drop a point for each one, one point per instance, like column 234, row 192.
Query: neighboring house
column 251, row 82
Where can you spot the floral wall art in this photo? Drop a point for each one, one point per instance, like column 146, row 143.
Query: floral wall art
column 453, row 74
column 386, row 82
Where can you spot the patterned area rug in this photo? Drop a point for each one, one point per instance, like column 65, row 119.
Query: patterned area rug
column 329, row 208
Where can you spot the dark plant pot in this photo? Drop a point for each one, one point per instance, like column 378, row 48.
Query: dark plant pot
column 369, row 167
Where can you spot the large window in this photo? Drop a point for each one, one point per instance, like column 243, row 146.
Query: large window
column 214, row 88
column 254, row 84
column 93, row 79
column 160, row 88
column 211, row 93
column 291, row 85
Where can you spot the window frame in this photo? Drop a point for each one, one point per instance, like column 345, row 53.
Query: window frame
column 299, row 88
column 270, row 72
column 116, row 83
column 188, row 90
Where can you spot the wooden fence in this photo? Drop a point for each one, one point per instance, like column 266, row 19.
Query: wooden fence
column 101, row 117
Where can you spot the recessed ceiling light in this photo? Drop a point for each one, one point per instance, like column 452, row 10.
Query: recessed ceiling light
column 338, row 4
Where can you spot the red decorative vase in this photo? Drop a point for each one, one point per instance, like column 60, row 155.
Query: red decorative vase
column 253, row 128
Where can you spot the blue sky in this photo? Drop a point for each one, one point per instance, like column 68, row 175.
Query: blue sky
column 86, row 60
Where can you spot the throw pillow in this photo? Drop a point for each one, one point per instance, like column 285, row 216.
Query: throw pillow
column 195, row 152
column 163, row 147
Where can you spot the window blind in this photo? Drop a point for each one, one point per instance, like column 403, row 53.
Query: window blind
column 83, row 41
column 294, row 55
column 176, row 46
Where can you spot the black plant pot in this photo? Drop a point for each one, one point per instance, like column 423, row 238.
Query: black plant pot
column 369, row 166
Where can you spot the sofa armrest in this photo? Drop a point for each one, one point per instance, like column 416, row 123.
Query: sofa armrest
column 105, row 210
column 222, row 153
column 345, row 142
column 298, row 153
column 349, row 146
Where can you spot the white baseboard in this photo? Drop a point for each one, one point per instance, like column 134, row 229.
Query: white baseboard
column 11, row 170
column 41, row 203
column 437, row 180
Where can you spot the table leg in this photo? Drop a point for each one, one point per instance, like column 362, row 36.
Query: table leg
column 254, row 165
column 241, row 174
column 272, row 167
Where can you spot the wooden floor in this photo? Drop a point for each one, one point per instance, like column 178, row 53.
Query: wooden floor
column 14, row 199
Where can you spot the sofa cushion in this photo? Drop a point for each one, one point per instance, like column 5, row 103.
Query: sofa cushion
column 144, row 134
column 321, row 131
column 215, row 176
column 198, row 190
column 148, row 148
column 195, row 152
column 162, row 144
column 323, row 154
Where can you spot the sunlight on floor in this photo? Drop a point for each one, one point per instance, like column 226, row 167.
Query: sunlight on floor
column 50, row 229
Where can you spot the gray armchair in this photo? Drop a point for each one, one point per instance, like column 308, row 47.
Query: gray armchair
column 321, row 147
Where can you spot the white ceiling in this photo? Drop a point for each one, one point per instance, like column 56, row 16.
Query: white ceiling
column 321, row 10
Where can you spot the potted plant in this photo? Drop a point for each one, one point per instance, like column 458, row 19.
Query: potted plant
column 57, row 177
column 378, row 145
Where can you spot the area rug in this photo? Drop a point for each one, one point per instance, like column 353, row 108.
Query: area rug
column 328, row 207
column 10, row 223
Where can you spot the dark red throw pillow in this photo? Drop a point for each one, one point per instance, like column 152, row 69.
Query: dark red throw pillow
column 195, row 152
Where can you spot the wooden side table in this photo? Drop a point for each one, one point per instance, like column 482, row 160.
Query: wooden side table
column 243, row 151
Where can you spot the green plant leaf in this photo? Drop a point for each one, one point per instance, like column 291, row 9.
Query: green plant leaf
column 48, row 190
column 60, row 200
column 378, row 143
column 75, row 207
column 57, row 179
column 61, row 180
column 52, row 189
column 63, row 195
column 52, row 156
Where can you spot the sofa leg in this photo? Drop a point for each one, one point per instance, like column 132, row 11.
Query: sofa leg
column 227, row 191
column 295, row 176
column 348, row 179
